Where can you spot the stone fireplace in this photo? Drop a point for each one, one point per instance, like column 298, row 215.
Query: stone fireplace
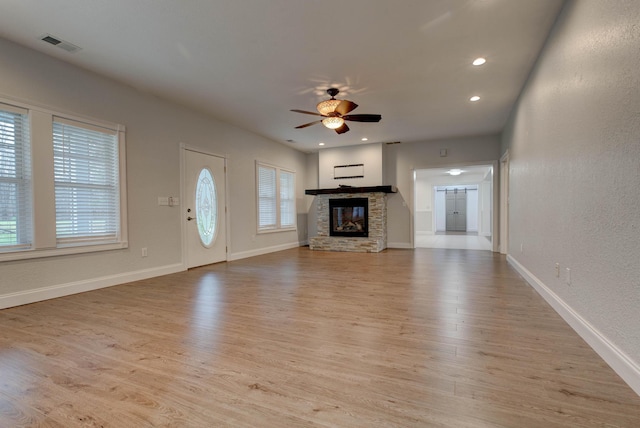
column 351, row 219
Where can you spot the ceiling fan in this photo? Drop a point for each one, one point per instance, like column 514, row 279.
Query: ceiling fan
column 335, row 112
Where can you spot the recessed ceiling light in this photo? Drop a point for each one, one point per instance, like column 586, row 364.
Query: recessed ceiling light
column 479, row 61
column 454, row 171
column 474, row 98
column 321, row 144
column 365, row 139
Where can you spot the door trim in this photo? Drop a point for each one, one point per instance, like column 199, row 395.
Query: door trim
column 183, row 182
column 504, row 204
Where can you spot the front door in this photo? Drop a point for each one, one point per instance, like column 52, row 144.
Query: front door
column 204, row 209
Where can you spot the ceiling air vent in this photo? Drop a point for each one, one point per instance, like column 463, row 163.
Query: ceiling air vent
column 393, row 142
column 69, row 47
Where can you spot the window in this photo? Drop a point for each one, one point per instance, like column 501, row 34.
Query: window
column 15, row 179
column 287, row 199
column 62, row 184
column 85, row 166
column 276, row 198
column 267, row 198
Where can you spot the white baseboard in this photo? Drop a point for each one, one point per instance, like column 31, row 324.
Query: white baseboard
column 403, row 245
column 54, row 291
column 261, row 251
column 620, row 362
column 425, row 233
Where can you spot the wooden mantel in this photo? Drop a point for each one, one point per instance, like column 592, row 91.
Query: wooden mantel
column 349, row 189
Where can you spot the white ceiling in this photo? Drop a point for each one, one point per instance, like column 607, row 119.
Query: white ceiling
column 248, row 62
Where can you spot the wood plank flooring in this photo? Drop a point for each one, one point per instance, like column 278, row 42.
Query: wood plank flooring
column 402, row 338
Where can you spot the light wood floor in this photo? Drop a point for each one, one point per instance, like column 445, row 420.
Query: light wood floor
column 430, row 337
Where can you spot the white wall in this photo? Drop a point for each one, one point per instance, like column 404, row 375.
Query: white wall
column 472, row 210
column 485, row 200
column 423, row 222
column 440, row 211
column 155, row 129
column 574, row 149
column 368, row 154
column 402, row 159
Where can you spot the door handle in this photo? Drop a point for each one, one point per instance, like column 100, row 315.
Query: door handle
column 190, row 218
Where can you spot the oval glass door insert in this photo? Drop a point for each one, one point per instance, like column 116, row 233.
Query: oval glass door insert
column 206, row 207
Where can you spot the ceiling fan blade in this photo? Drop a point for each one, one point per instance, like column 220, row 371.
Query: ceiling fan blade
column 344, row 128
column 307, row 112
column 345, row 107
column 308, row 124
column 363, row 117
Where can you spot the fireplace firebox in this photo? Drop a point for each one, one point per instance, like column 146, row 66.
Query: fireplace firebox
column 349, row 217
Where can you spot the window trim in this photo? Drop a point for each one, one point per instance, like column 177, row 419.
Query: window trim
column 22, row 167
column 42, row 195
column 278, row 226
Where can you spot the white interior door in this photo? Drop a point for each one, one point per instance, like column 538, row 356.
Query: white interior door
column 456, row 210
column 450, row 198
column 204, row 209
column 461, row 210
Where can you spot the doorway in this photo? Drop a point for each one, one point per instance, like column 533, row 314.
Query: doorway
column 204, row 208
column 454, row 211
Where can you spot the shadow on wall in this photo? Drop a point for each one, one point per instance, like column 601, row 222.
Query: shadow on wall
column 303, row 227
column 398, row 221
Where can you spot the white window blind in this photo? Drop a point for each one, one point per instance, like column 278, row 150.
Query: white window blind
column 287, row 199
column 267, row 208
column 87, row 198
column 15, row 179
column 276, row 198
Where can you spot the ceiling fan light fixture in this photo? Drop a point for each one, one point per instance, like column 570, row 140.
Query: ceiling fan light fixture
column 336, row 112
column 328, row 106
column 333, row 122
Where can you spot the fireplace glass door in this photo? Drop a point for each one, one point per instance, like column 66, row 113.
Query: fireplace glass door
column 349, row 217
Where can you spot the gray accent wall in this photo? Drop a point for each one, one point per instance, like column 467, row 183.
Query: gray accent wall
column 155, row 130
column 574, row 147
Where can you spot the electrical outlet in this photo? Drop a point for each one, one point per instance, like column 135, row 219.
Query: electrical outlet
column 144, row 251
column 557, row 270
column 568, row 278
